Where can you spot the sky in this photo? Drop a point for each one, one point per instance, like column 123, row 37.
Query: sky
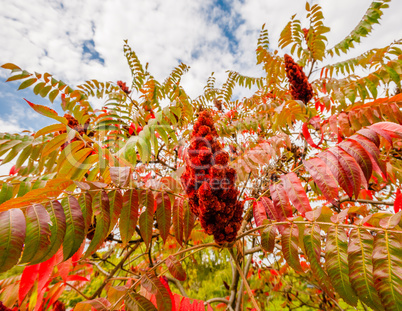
column 78, row 40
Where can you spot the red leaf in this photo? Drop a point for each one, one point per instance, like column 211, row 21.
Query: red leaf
column 281, row 201
column 129, row 215
column 28, row 278
column 13, row 170
column 296, row 192
column 360, row 155
column 163, row 280
column 154, row 286
column 338, row 171
column 324, row 179
column 269, row 208
column 394, row 129
column 351, row 168
column 259, row 213
column 307, row 136
column 76, row 277
column 116, row 201
column 44, row 272
column 398, row 201
column 120, row 175
column 175, row 268
column 370, row 135
column 373, row 152
column 64, row 269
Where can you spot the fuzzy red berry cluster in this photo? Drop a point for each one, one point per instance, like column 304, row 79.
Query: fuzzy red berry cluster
column 300, row 88
column 210, row 183
column 123, row 87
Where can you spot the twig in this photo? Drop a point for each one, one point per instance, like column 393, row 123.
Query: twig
column 178, row 285
column 240, row 294
column 219, row 300
column 78, row 291
column 245, row 184
column 347, row 199
column 111, row 274
column 250, row 293
column 233, row 286
column 96, row 264
column 151, row 264
column 197, row 247
column 253, row 250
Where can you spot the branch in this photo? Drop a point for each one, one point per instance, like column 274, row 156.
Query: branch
column 219, row 300
column 111, row 274
column 347, row 199
column 233, row 286
column 196, row 247
column 151, row 264
column 178, row 285
column 240, row 294
column 96, row 264
column 250, row 293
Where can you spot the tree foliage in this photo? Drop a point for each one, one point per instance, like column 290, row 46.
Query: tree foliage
column 94, row 213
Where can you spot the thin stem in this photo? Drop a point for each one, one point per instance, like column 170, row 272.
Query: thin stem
column 151, row 264
column 111, row 274
column 240, row 294
column 78, row 291
column 250, row 293
column 197, row 248
column 178, row 285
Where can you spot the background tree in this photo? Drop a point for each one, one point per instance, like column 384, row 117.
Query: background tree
column 98, row 211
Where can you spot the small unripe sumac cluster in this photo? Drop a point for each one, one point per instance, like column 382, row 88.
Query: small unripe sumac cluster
column 210, row 183
column 300, row 88
column 123, row 87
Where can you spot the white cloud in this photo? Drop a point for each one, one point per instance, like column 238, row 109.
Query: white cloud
column 10, row 126
column 45, row 36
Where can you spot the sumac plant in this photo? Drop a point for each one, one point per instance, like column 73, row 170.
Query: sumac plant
column 288, row 199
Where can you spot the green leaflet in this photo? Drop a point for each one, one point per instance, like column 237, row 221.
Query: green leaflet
column 387, row 262
column 289, row 242
column 101, row 208
column 312, row 246
column 57, row 229
column 360, row 252
column 85, row 202
column 136, row 302
column 178, row 219
column 163, row 213
column 12, row 231
column 38, row 232
column 268, row 236
column 336, row 263
column 75, row 230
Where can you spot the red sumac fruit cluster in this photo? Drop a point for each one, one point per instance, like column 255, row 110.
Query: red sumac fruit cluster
column 210, row 183
column 300, row 88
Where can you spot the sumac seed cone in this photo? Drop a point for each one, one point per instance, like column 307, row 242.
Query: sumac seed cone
column 300, row 88
column 210, row 183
